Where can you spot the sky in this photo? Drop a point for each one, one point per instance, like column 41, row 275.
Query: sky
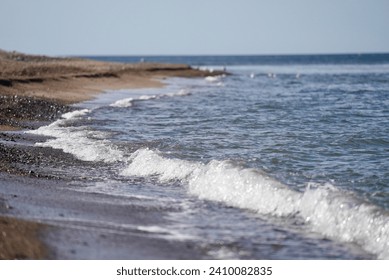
column 194, row 27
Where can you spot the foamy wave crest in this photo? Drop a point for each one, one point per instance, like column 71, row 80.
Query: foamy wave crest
column 216, row 80
column 78, row 141
column 75, row 114
column 123, row 103
column 324, row 208
column 340, row 215
column 181, row 92
column 129, row 102
column 212, row 78
column 145, row 162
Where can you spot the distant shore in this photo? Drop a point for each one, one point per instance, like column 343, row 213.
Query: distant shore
column 64, row 81
column 35, row 90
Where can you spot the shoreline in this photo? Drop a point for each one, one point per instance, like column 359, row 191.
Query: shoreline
column 70, row 224
column 34, row 91
column 67, row 81
column 73, row 80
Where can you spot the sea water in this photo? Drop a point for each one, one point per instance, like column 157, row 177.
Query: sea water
column 286, row 157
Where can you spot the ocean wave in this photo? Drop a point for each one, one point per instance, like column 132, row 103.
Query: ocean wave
column 75, row 114
column 216, row 80
column 84, row 144
column 123, row 103
column 325, row 209
column 129, row 102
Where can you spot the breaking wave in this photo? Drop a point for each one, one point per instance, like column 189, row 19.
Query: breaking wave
column 326, row 209
column 84, row 144
column 129, row 102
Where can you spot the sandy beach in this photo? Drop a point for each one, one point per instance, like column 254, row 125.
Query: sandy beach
column 34, row 91
column 51, row 82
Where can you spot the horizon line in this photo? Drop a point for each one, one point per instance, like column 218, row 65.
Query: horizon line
column 231, row 54
column 208, row 55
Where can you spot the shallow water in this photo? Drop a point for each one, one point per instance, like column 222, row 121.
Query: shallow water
column 278, row 160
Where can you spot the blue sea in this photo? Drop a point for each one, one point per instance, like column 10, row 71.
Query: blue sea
column 285, row 158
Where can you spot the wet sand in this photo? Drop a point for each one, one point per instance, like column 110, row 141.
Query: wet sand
column 41, row 215
column 66, row 223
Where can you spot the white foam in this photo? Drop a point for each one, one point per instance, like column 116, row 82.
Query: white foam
column 215, row 80
column 224, row 253
column 85, row 144
column 75, row 114
column 324, row 208
column 123, row 103
column 145, row 162
column 129, row 102
column 243, row 188
column 147, row 97
column 212, row 79
column 181, row 92
column 79, row 141
column 168, row 233
column 340, row 215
